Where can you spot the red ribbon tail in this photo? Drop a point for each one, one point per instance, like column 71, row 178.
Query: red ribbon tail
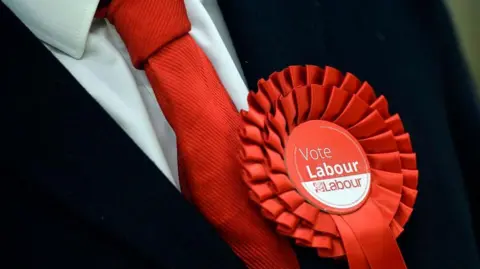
column 368, row 240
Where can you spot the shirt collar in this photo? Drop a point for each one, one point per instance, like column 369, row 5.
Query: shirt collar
column 63, row 24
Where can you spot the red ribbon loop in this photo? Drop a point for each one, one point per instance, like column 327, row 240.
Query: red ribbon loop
column 377, row 245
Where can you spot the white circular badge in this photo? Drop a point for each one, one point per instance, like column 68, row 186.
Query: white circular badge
column 328, row 166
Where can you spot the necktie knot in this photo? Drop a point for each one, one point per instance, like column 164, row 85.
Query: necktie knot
column 147, row 25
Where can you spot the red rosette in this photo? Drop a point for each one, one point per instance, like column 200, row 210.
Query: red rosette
column 308, row 95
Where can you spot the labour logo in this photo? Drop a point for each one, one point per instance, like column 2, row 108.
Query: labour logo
column 328, row 166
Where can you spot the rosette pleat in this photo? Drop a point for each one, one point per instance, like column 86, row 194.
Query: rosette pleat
column 302, row 93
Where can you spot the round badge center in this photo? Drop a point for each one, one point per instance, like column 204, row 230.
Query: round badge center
column 328, row 166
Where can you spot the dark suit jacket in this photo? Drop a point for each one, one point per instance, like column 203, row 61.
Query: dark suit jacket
column 407, row 51
column 79, row 193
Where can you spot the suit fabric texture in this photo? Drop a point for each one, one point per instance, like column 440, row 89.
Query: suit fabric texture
column 407, row 51
column 80, row 193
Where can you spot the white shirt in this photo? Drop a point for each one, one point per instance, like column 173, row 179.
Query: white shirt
column 93, row 52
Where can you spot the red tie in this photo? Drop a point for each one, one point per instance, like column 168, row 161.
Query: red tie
column 205, row 122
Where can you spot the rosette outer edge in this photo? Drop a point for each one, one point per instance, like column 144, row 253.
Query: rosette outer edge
column 299, row 94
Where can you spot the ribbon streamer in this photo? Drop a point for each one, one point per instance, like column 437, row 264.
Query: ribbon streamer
column 298, row 94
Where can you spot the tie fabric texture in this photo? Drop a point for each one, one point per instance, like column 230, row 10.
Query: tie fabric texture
column 205, row 122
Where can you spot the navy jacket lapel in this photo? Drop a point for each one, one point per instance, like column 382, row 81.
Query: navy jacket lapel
column 408, row 52
column 61, row 145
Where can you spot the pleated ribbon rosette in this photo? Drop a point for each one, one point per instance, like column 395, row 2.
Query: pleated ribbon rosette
column 326, row 162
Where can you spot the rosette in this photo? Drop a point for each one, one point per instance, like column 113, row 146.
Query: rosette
column 326, row 162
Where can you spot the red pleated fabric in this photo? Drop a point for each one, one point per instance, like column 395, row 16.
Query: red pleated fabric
column 300, row 96
column 206, row 125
